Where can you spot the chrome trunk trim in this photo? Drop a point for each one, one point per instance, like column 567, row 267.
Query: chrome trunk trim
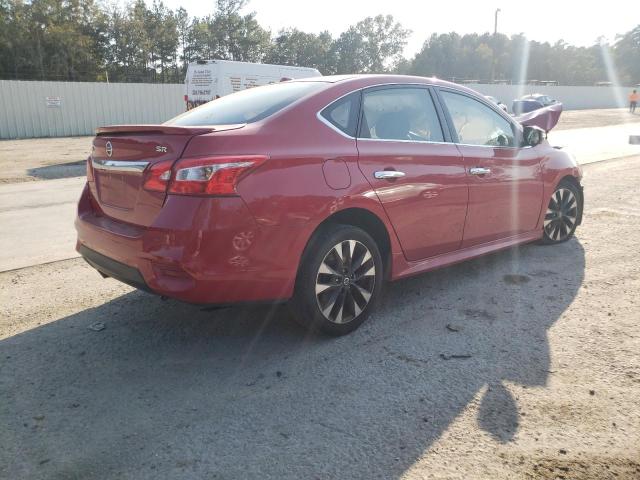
column 119, row 166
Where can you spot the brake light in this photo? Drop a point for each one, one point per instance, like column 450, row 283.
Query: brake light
column 158, row 176
column 217, row 175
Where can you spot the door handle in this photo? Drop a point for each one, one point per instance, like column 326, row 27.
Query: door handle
column 479, row 171
column 388, row 174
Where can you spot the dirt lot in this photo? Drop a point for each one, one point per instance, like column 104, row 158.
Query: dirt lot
column 43, row 158
column 48, row 158
column 550, row 389
column 595, row 118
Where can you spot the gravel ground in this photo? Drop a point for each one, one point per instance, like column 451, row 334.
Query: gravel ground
column 100, row 381
column 49, row 158
column 43, row 158
column 571, row 119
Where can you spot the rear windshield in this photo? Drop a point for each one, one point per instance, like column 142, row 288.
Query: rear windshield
column 247, row 106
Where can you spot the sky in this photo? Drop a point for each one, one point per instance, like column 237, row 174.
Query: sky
column 543, row 20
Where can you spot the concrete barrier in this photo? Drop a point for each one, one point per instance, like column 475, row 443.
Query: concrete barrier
column 572, row 98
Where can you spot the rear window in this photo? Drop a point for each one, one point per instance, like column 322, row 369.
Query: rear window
column 247, row 106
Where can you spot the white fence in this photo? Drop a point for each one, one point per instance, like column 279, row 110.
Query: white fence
column 572, row 98
column 60, row 109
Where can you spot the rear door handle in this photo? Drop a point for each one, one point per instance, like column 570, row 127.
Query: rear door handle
column 479, row 171
column 388, row 174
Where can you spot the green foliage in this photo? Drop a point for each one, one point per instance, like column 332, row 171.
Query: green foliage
column 41, row 39
column 148, row 42
column 470, row 57
column 294, row 47
column 373, row 45
column 627, row 54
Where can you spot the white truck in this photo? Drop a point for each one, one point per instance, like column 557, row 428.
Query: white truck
column 207, row 80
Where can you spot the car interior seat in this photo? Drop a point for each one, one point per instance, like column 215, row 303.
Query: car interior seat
column 393, row 126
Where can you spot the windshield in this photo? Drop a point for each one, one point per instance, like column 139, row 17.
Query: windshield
column 247, row 106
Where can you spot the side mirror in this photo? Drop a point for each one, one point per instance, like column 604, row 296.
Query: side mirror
column 533, row 136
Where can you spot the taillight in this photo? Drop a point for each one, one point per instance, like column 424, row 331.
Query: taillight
column 157, row 176
column 89, row 170
column 217, row 175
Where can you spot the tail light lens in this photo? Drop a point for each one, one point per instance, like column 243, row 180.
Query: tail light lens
column 217, row 175
column 158, row 176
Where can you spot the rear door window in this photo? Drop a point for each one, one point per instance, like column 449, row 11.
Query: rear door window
column 404, row 113
column 247, row 106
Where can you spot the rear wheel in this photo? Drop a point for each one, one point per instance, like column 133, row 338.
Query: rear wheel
column 339, row 280
column 563, row 211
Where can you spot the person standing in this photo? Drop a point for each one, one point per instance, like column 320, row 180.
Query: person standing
column 634, row 97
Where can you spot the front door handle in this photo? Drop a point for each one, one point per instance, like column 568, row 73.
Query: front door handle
column 388, row 174
column 479, row 171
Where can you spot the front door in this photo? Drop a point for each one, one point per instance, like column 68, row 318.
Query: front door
column 505, row 180
column 419, row 179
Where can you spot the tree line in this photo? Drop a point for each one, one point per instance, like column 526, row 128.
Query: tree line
column 84, row 40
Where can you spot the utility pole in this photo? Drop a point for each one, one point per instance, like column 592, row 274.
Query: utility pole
column 493, row 50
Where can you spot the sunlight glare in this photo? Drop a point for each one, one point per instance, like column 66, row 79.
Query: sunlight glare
column 612, row 74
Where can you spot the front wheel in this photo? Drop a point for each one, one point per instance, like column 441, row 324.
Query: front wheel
column 339, row 280
column 563, row 212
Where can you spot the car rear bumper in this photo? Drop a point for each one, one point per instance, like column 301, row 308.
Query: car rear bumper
column 199, row 249
column 109, row 267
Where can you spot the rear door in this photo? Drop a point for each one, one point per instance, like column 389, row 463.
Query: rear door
column 418, row 176
column 505, row 180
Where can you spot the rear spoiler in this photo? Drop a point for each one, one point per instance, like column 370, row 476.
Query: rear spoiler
column 546, row 118
column 164, row 129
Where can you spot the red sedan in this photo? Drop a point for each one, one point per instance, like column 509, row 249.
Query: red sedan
column 317, row 191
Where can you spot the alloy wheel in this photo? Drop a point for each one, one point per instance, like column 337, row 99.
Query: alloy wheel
column 345, row 281
column 561, row 216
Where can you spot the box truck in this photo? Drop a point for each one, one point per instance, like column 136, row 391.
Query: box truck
column 207, row 80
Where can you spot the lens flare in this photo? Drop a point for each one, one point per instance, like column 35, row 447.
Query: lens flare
column 612, row 73
column 521, row 86
column 524, row 67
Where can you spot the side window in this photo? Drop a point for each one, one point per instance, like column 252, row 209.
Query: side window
column 343, row 113
column 400, row 114
column 477, row 124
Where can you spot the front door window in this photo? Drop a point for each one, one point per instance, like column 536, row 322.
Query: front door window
column 477, row 124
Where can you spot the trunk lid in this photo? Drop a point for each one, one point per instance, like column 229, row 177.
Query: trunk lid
column 121, row 157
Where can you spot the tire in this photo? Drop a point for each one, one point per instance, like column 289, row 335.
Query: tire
column 563, row 213
column 339, row 280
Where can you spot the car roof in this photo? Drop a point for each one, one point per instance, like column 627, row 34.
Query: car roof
column 325, row 78
column 366, row 80
column 359, row 81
